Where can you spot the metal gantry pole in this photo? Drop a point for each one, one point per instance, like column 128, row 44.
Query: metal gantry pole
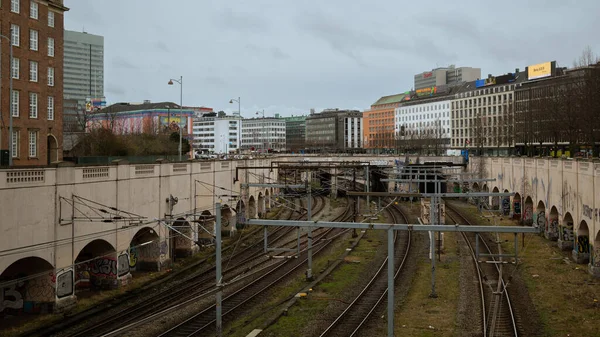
column 180, row 113
column 218, row 270
column 390, row 294
column 309, row 276
column 368, row 188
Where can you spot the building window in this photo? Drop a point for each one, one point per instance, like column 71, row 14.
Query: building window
column 32, row 144
column 33, row 39
column 50, row 76
column 33, row 105
column 50, row 19
column 33, row 71
column 15, row 6
column 15, row 36
column 15, row 103
column 15, row 68
column 50, row 108
column 33, row 10
column 51, row 46
column 15, row 144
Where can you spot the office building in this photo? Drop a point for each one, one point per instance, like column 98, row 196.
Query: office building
column 214, row 134
column 263, row 134
column 446, row 76
column 335, row 130
column 84, row 66
column 35, row 29
column 379, row 123
column 295, row 133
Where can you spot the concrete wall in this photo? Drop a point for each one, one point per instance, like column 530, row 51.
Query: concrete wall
column 572, row 187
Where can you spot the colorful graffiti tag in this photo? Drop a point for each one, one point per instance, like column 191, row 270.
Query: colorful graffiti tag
column 133, row 257
column 11, row 297
column 517, row 207
column 566, row 232
column 553, row 229
column 528, row 215
column 64, row 283
column 541, row 219
column 583, row 244
column 506, row 206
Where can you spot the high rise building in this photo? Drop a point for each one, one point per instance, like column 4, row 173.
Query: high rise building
column 449, row 76
column 35, row 29
column 295, row 133
column 335, row 130
column 84, row 66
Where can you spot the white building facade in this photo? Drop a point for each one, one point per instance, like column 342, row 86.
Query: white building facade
column 263, row 134
column 219, row 135
column 424, row 119
column 353, row 132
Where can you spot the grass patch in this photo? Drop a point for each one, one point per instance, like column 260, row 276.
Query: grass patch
column 565, row 296
column 309, row 308
column 418, row 313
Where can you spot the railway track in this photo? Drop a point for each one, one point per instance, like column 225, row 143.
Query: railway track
column 194, row 285
column 203, row 323
column 358, row 312
column 497, row 314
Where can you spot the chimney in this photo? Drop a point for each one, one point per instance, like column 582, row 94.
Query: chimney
column 147, row 101
column 517, row 71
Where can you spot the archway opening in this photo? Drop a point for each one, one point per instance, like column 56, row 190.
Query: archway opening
column 206, row 227
column 182, row 238
column 485, row 200
column 29, row 287
column 581, row 247
column 540, row 216
column 566, row 235
column 475, row 187
column 506, row 204
column 267, row 200
column 51, row 149
column 517, row 206
column 240, row 215
column 552, row 225
column 527, row 218
column 96, row 266
column 144, row 250
column 595, row 258
column 496, row 199
column 228, row 220
column 261, row 205
column 252, row 208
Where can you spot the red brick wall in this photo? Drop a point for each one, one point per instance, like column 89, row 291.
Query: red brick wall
column 24, row 123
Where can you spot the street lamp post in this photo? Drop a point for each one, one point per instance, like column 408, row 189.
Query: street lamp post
column 180, row 81
column 264, row 130
column 10, row 125
column 238, row 100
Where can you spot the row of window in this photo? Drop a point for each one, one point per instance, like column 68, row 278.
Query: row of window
column 15, row 7
column 33, row 141
column 33, row 39
column 33, row 105
column 33, row 71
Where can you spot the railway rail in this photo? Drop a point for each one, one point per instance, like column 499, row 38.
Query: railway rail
column 193, row 285
column 497, row 314
column 203, row 323
column 358, row 312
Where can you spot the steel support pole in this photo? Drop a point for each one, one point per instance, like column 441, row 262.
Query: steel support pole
column 309, row 276
column 218, row 270
column 180, row 113
column 368, row 189
column 390, row 274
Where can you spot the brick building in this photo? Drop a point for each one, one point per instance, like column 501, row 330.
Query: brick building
column 35, row 29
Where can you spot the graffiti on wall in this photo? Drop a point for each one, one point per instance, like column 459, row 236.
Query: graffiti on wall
column 505, row 206
column 123, row 264
column 517, row 207
column 133, row 257
column 528, row 215
column 11, row 297
column 583, row 244
column 64, row 283
column 541, row 219
column 30, row 296
column 566, row 232
column 553, row 228
column 596, row 257
column 591, row 213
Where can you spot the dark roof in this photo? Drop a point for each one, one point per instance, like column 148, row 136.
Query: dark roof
column 121, row 107
column 470, row 86
column 397, row 98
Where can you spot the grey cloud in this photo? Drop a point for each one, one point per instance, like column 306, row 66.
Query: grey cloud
column 161, row 46
column 274, row 52
column 121, row 62
column 115, row 90
column 278, row 54
column 240, row 21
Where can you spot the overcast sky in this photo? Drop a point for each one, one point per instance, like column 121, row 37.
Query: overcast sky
column 288, row 56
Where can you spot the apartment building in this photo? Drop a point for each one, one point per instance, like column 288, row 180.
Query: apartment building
column 263, row 134
column 35, row 30
column 379, row 123
column 214, row 134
